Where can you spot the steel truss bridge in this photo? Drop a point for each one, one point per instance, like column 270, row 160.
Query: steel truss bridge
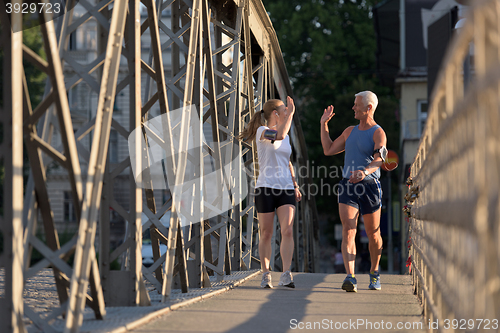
column 226, row 62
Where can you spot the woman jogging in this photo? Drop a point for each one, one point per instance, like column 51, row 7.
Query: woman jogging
column 276, row 188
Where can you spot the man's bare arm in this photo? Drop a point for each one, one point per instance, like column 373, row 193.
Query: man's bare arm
column 330, row 147
column 380, row 140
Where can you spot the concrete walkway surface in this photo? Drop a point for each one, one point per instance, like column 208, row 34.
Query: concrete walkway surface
column 317, row 304
column 40, row 298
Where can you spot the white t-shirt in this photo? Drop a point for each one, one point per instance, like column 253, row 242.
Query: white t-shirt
column 274, row 158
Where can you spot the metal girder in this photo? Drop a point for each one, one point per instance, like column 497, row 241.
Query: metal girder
column 11, row 157
column 68, row 159
column 175, row 245
column 171, row 237
column 157, row 231
column 35, row 145
column 130, row 277
column 85, row 252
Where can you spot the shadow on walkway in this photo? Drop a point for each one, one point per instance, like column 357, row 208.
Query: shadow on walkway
column 317, row 304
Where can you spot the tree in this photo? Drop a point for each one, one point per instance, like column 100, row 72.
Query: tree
column 329, row 50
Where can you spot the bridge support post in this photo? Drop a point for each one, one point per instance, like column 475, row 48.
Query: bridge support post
column 11, row 157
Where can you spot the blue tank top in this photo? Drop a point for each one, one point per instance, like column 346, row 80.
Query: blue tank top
column 359, row 148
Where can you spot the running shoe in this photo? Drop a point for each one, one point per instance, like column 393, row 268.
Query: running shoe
column 266, row 280
column 286, row 280
column 375, row 281
column 350, row 284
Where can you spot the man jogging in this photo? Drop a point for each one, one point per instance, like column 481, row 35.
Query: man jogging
column 359, row 192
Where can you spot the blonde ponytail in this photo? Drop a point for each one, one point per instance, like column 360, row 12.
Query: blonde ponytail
column 259, row 119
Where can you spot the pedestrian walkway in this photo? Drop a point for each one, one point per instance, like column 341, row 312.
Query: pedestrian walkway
column 40, row 293
column 317, row 304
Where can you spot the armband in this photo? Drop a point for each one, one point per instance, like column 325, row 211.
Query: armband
column 270, row 134
column 383, row 152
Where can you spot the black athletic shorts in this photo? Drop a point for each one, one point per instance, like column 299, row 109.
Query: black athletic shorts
column 268, row 199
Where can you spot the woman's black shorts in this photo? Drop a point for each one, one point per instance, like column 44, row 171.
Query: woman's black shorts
column 268, row 199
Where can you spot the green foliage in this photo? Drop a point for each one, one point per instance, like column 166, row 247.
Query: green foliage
column 329, row 50
column 384, row 262
column 115, row 264
column 325, row 44
column 64, row 237
column 32, row 38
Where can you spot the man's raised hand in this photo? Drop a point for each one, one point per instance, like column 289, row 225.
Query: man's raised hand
column 327, row 115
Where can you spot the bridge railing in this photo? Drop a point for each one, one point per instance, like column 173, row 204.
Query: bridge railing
column 454, row 190
column 148, row 59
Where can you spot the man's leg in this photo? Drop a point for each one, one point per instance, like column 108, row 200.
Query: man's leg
column 372, row 228
column 349, row 217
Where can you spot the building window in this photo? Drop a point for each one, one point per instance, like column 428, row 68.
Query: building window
column 422, row 107
column 143, row 10
column 72, row 42
column 115, row 104
column 73, row 97
column 69, row 208
column 113, row 146
column 91, row 39
column 166, row 12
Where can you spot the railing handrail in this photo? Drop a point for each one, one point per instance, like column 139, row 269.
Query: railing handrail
column 454, row 187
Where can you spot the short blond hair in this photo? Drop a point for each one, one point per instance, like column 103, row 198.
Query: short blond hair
column 368, row 97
